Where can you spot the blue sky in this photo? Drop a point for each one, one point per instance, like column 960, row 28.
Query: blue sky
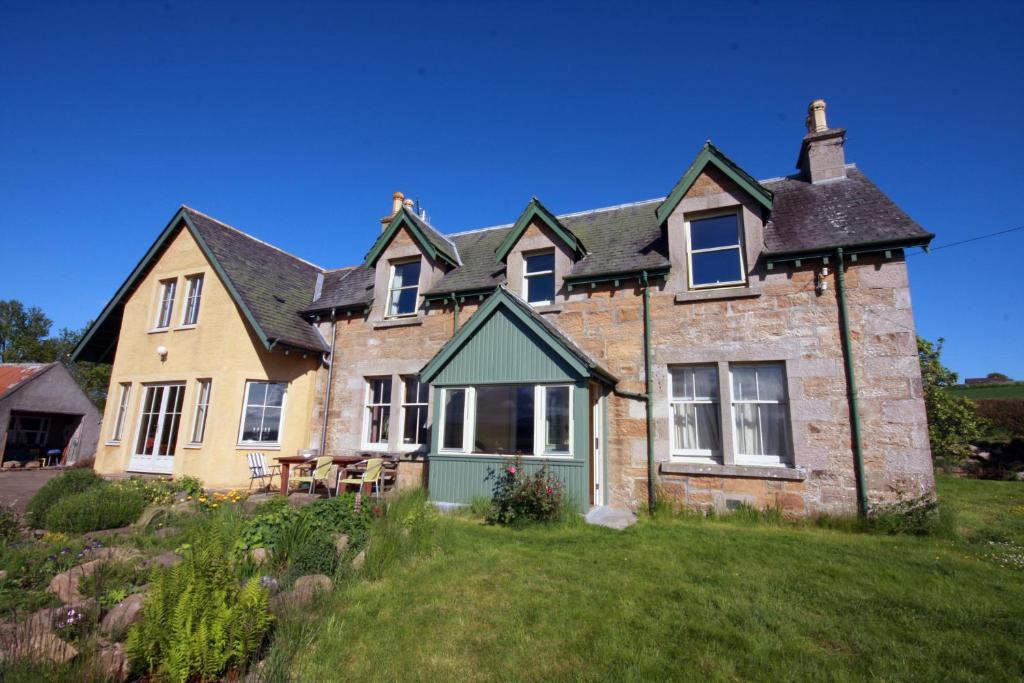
column 296, row 123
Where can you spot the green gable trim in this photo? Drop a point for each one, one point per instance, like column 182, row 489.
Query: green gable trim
column 709, row 154
column 129, row 285
column 519, row 314
column 404, row 219
column 536, row 210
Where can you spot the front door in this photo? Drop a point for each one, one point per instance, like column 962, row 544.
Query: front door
column 157, row 438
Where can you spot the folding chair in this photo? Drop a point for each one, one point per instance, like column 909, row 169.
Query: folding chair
column 258, row 469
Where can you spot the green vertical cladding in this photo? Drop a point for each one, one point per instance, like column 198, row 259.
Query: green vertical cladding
column 458, row 478
column 505, row 350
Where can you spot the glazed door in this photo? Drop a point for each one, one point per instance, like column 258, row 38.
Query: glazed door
column 157, row 436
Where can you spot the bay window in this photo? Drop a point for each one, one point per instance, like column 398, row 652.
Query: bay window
column 507, row 419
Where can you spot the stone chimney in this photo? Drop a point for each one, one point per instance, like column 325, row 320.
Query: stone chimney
column 396, row 205
column 821, row 154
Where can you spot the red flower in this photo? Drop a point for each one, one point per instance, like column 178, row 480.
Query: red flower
column 549, row 490
column 511, row 470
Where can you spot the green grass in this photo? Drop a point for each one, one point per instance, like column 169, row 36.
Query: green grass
column 686, row 599
column 1014, row 390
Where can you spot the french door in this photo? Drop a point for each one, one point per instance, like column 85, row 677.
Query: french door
column 157, row 437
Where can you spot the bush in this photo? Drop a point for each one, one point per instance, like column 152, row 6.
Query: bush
column 920, row 516
column 63, row 485
column 521, row 498
column 9, row 525
column 199, row 621
column 276, row 524
column 1005, row 415
column 318, row 555
column 101, row 507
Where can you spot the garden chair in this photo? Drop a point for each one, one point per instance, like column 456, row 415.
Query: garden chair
column 318, row 474
column 373, row 475
column 259, row 469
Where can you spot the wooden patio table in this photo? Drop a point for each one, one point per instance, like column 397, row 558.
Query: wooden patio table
column 288, row 461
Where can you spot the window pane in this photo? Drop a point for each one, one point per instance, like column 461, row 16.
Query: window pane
column 454, row 415
column 411, row 387
column 540, row 262
column 251, row 426
column 271, row 424
column 748, row 441
column 540, row 288
column 406, row 275
column 415, row 428
column 257, row 395
column 504, row 420
column 403, row 302
column 275, row 395
column 773, row 429
column 685, row 425
column 720, row 231
column 380, row 390
column 708, row 432
column 712, row 267
column 681, row 386
column 744, row 383
column 556, row 419
column 705, row 382
column 770, row 385
column 378, row 424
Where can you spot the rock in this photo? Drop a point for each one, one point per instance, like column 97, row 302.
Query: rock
column 185, row 507
column 255, row 500
column 46, row 646
column 257, row 673
column 65, row 584
column 167, row 559
column 149, row 514
column 32, row 465
column 359, row 560
column 113, row 662
column 38, row 533
column 260, row 556
column 12, row 465
column 341, row 542
column 308, row 586
column 1019, row 476
column 302, row 499
column 107, row 533
column 166, row 531
column 123, row 614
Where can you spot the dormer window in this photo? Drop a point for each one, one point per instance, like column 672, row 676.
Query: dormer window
column 715, row 251
column 539, row 278
column 404, row 289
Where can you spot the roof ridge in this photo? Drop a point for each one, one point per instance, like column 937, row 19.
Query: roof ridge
column 254, row 239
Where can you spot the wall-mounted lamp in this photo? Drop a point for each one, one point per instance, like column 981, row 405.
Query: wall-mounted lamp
column 162, row 352
column 820, row 283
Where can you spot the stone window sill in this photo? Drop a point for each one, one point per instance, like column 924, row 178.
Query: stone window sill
column 717, row 294
column 737, row 471
column 548, row 308
column 397, row 322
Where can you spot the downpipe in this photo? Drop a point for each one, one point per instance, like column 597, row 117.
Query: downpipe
column 851, row 387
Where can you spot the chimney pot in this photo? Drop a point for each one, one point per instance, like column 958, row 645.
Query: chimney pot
column 408, row 204
column 396, row 202
column 816, row 122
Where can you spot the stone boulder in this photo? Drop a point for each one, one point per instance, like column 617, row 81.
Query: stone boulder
column 113, row 662
column 46, row 646
column 257, row 499
column 32, row 465
column 301, row 500
column 259, row 556
column 306, row 587
column 123, row 614
column 65, row 584
column 163, row 560
column 166, row 532
column 359, row 560
column 11, row 465
column 341, row 543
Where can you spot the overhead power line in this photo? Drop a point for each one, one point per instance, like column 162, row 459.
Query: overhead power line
column 972, row 239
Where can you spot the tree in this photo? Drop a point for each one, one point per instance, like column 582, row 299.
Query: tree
column 22, row 332
column 953, row 422
column 999, row 376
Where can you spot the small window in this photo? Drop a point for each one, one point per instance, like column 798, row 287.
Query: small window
column 264, row 404
column 453, row 425
column 193, row 295
column 414, row 411
column 696, row 431
column 163, row 316
column 402, row 295
column 28, row 430
column 556, row 420
column 716, row 255
column 202, row 409
column 539, row 278
column 760, row 414
column 122, row 411
column 378, row 410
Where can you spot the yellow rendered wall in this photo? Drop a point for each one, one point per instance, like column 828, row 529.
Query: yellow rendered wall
column 220, row 347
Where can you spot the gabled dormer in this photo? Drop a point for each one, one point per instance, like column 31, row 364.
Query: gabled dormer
column 714, row 219
column 408, row 257
column 538, row 252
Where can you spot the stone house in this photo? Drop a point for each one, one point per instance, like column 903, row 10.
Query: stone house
column 735, row 341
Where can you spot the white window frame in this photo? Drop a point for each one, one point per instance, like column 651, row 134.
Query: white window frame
column 161, row 415
column 193, row 300
column 204, row 390
column 392, row 289
column 527, row 275
column 783, row 460
column 539, row 418
column 698, row 455
column 121, row 414
column 367, row 394
column 267, row 445
column 167, row 292
column 402, row 445
column 738, row 212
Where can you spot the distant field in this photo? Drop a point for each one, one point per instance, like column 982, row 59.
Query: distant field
column 1015, row 390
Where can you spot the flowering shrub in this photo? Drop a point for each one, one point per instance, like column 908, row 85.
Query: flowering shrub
column 520, row 498
column 216, row 499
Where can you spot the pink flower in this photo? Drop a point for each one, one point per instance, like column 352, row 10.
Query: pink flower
column 549, row 490
column 511, row 470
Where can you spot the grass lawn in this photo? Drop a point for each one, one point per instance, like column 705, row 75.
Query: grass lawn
column 690, row 599
column 1015, row 390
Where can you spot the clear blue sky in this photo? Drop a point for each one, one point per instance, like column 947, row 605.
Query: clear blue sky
column 297, row 123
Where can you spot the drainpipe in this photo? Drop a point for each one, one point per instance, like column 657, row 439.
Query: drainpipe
column 851, row 386
column 330, row 376
column 649, row 391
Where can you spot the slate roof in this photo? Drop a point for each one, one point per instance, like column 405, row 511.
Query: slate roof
column 346, row 288
column 442, row 243
column 14, row 375
column 274, row 285
column 628, row 238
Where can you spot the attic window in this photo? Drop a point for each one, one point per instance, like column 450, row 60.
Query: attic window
column 715, row 251
column 404, row 288
column 539, row 278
